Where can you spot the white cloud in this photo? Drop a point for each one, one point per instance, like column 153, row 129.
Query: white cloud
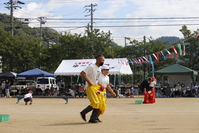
column 113, row 7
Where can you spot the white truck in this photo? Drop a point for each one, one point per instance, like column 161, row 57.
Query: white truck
column 45, row 82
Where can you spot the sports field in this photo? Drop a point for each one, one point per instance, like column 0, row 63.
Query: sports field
column 167, row 115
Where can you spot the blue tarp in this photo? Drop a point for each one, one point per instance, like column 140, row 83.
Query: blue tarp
column 8, row 75
column 35, row 73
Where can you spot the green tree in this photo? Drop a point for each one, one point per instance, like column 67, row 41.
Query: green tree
column 192, row 49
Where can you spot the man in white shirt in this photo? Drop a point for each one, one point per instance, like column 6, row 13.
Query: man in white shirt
column 91, row 75
column 28, row 98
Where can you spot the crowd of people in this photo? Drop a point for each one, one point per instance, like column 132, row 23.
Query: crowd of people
column 179, row 90
column 78, row 90
column 74, row 89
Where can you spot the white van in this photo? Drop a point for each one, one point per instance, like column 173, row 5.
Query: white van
column 45, row 82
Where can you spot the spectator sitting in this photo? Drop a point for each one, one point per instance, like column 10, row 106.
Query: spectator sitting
column 38, row 90
column 67, row 92
column 188, row 92
column 162, row 92
column 52, row 90
column 47, row 91
column 183, row 90
column 61, row 85
column 196, row 88
column 178, row 89
column 129, row 93
column 73, row 90
column 168, row 91
column 81, row 91
column 193, row 91
column 133, row 91
column 23, row 91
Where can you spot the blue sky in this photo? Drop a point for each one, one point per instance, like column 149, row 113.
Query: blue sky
column 134, row 29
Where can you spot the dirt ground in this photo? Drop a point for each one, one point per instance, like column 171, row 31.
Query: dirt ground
column 167, row 115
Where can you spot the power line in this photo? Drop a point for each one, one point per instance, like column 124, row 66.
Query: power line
column 106, row 26
column 171, row 18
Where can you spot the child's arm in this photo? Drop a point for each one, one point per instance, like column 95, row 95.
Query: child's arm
column 109, row 88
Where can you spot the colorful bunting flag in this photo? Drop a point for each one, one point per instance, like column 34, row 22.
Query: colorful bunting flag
column 164, row 57
column 155, row 56
column 179, row 48
column 184, row 50
column 158, row 58
column 145, row 59
column 140, row 62
column 175, row 51
column 152, row 65
column 136, row 60
column 169, row 53
column 150, row 59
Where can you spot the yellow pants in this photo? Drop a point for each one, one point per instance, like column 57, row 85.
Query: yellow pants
column 96, row 97
column 92, row 93
column 102, row 99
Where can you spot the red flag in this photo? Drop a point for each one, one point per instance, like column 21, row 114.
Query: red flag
column 175, row 51
column 135, row 60
column 158, row 58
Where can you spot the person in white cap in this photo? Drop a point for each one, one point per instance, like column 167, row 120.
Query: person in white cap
column 103, row 81
column 91, row 76
column 28, row 98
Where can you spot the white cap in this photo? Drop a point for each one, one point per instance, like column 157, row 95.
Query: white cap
column 105, row 67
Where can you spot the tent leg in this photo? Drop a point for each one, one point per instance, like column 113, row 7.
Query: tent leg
column 114, row 79
column 78, row 79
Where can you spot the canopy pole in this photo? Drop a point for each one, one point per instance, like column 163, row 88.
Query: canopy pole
column 114, row 79
column 78, row 79
column 71, row 79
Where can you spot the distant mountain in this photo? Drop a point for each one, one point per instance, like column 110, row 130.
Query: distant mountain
column 171, row 39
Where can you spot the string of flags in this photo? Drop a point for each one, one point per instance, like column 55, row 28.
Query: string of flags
column 179, row 51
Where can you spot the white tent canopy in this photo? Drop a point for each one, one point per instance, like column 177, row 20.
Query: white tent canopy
column 74, row 67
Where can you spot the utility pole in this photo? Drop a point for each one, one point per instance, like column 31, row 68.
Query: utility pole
column 91, row 10
column 42, row 20
column 126, row 38
column 12, row 5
